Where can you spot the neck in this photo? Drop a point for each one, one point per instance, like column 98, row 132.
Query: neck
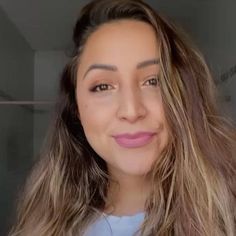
column 129, row 196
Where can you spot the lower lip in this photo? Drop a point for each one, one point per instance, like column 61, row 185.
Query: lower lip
column 134, row 143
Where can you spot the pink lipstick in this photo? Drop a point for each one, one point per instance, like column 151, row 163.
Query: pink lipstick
column 134, row 140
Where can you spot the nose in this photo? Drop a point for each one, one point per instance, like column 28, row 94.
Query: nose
column 131, row 106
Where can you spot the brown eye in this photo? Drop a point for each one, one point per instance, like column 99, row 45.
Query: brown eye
column 153, row 81
column 100, row 88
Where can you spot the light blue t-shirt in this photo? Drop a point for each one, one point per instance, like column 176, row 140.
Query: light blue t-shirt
column 109, row 225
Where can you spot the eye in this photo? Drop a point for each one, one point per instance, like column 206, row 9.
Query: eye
column 101, row 87
column 153, row 81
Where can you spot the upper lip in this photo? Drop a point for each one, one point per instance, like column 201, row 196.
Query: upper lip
column 134, row 135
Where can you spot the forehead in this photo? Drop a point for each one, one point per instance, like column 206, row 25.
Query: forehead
column 121, row 42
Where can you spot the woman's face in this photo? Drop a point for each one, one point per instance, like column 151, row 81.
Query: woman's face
column 119, row 99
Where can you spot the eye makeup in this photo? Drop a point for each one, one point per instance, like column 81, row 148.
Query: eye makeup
column 103, row 85
column 100, row 88
column 153, row 81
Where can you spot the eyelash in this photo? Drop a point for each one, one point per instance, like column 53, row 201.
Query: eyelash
column 104, row 87
column 156, row 81
column 95, row 88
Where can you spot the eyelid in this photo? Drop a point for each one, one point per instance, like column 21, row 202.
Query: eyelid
column 152, row 77
column 93, row 88
column 110, row 86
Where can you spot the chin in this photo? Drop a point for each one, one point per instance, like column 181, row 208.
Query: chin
column 138, row 171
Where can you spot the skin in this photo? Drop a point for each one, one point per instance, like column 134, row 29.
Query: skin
column 129, row 101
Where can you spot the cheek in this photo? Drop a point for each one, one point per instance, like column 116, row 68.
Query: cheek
column 94, row 121
column 94, row 108
column 155, row 105
column 86, row 116
column 158, row 114
column 93, row 117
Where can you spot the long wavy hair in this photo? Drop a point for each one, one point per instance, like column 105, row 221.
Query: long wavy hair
column 193, row 181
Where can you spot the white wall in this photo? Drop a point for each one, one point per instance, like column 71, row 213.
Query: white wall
column 16, row 122
column 224, row 48
column 212, row 27
column 48, row 66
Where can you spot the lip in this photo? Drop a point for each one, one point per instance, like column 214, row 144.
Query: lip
column 135, row 140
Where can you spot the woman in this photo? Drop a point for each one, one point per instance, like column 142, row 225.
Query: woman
column 138, row 146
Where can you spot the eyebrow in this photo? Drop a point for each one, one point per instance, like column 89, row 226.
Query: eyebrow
column 114, row 68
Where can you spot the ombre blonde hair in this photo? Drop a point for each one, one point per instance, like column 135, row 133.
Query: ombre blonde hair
column 193, row 181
